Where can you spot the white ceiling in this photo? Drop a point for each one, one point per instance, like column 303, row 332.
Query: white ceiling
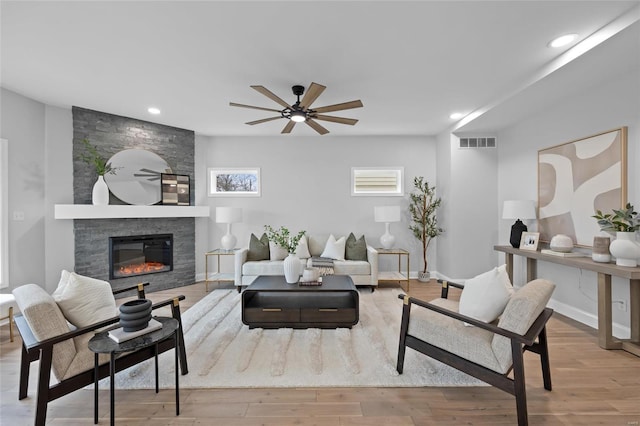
column 411, row 63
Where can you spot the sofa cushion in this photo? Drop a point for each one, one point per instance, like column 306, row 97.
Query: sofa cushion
column 267, row 267
column 485, row 296
column 276, row 252
column 85, row 300
column 258, row 248
column 472, row 343
column 302, row 251
column 351, row 267
column 355, row 249
column 334, row 249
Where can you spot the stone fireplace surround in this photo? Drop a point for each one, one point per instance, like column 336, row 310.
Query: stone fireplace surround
column 110, row 134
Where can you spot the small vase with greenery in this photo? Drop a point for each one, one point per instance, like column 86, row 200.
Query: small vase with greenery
column 291, row 264
column 623, row 220
column 625, row 223
column 94, row 159
column 423, row 206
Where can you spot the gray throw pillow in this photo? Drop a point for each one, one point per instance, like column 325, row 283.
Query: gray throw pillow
column 258, row 248
column 355, row 249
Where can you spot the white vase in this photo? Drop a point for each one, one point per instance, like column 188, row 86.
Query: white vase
column 291, row 268
column 625, row 249
column 100, row 194
column 561, row 243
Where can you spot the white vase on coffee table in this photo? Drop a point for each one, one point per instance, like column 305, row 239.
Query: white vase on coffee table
column 291, row 265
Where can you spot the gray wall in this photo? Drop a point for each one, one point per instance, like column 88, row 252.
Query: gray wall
column 306, row 185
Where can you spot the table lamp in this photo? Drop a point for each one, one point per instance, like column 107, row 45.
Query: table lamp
column 228, row 215
column 387, row 214
column 518, row 209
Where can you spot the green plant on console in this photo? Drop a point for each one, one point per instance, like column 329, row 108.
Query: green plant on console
column 92, row 158
column 623, row 220
column 422, row 207
column 283, row 238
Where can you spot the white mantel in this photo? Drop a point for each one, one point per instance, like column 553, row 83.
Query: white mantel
column 89, row 211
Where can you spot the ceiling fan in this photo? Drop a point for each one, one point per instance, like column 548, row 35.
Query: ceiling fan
column 300, row 111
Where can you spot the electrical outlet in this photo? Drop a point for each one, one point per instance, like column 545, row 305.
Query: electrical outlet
column 18, row 216
column 622, row 305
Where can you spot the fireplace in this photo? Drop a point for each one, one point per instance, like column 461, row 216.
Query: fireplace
column 140, row 255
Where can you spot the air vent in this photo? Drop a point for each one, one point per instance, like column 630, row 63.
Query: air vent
column 484, row 142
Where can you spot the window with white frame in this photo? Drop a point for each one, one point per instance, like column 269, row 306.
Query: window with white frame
column 4, row 211
column 377, row 181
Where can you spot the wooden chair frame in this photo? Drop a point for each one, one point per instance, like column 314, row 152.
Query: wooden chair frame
column 33, row 350
column 519, row 344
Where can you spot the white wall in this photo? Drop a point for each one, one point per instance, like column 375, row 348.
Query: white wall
column 306, row 185
column 610, row 105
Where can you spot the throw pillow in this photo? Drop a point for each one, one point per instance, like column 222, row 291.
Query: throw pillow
column 85, row 301
column 302, row 251
column 485, row 296
column 64, row 280
column 277, row 252
column 258, row 248
column 355, row 249
column 334, row 249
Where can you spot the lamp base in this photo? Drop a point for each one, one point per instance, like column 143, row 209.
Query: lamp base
column 228, row 242
column 387, row 240
column 516, row 233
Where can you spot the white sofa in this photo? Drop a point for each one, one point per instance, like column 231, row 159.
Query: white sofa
column 363, row 273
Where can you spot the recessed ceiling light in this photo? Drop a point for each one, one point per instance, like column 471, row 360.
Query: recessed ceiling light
column 456, row 115
column 562, row 40
column 153, row 110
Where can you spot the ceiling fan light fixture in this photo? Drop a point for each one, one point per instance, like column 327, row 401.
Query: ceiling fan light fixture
column 298, row 116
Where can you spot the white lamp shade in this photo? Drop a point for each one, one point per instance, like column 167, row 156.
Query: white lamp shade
column 228, row 214
column 518, row 209
column 386, row 214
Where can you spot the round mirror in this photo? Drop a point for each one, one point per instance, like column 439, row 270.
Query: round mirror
column 137, row 177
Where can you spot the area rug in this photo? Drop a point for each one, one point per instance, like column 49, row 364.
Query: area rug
column 223, row 353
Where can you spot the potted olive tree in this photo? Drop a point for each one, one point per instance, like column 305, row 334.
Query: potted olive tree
column 423, row 205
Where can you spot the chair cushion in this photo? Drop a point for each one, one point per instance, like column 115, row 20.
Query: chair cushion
column 523, row 309
column 355, row 249
column 258, row 248
column 85, row 301
column 485, row 296
column 450, row 334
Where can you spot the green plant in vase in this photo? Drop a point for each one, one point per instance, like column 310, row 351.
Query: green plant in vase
column 625, row 223
column 100, row 192
column 291, row 264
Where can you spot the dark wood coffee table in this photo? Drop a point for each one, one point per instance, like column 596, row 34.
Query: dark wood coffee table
column 269, row 302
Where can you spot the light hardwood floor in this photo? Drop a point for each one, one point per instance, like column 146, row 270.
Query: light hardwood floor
column 591, row 386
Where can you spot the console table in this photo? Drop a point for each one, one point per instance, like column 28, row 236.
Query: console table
column 605, row 271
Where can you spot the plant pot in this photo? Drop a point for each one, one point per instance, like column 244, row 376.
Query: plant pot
column 291, row 265
column 135, row 314
column 100, row 193
column 625, row 249
column 424, row 277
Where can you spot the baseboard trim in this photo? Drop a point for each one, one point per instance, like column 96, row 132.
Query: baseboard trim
column 620, row 331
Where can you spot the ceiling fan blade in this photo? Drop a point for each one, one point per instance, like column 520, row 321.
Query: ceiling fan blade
column 253, row 107
column 315, row 126
column 341, row 120
column 339, row 107
column 312, row 94
column 264, row 120
column 271, row 95
column 289, row 127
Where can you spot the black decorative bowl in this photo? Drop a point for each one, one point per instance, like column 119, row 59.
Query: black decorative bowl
column 135, row 314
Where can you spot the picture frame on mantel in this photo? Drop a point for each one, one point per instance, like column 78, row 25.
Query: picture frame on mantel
column 175, row 189
column 234, row 182
column 577, row 178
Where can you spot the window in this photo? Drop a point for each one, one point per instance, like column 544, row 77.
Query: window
column 234, row 182
column 377, row 181
column 4, row 212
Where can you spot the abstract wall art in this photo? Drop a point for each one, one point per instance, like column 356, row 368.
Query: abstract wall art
column 577, row 178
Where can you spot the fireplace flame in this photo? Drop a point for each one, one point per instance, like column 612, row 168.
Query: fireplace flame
column 141, row 268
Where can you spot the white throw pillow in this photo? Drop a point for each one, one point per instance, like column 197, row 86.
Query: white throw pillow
column 64, row 280
column 485, row 296
column 302, row 251
column 276, row 252
column 334, row 249
column 85, row 301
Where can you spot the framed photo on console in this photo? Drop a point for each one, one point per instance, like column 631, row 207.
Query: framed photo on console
column 529, row 241
column 175, row 189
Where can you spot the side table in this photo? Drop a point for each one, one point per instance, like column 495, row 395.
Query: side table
column 101, row 343
column 395, row 276
column 217, row 276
